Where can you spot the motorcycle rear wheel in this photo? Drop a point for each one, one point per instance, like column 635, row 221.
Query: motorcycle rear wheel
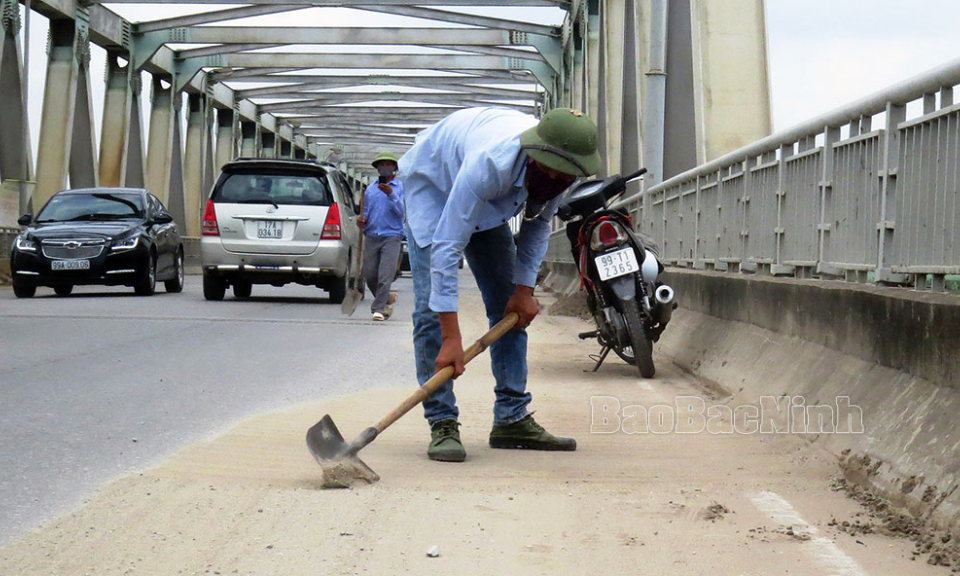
column 642, row 347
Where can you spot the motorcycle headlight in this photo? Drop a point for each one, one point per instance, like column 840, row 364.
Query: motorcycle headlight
column 25, row 244
column 126, row 244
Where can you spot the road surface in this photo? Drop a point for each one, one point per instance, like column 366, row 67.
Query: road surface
column 219, row 395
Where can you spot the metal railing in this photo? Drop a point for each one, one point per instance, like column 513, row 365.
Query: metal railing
column 831, row 197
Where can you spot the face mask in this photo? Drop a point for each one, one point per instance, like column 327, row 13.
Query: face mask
column 385, row 171
column 541, row 187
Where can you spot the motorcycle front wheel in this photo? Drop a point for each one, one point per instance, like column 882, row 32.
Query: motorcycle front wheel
column 642, row 347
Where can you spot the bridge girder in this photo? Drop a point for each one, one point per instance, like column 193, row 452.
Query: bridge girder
column 235, row 95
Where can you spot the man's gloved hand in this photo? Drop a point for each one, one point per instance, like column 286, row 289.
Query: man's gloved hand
column 524, row 304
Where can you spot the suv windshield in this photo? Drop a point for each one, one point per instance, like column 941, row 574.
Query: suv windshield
column 302, row 190
column 77, row 207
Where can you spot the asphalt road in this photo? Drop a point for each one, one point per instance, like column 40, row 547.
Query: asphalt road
column 101, row 383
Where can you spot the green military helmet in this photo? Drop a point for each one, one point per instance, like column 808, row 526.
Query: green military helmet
column 564, row 140
column 385, row 156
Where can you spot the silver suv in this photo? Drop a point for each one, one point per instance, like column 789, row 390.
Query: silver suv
column 276, row 222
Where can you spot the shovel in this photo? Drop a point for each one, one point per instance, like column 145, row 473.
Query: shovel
column 341, row 466
column 355, row 284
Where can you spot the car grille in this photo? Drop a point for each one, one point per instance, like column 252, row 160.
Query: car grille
column 72, row 249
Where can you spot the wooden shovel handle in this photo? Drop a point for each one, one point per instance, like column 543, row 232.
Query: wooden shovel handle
column 358, row 280
column 431, row 385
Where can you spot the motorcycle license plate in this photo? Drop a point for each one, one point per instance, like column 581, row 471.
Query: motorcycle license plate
column 617, row 263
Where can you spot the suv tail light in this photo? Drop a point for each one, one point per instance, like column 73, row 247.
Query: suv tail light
column 607, row 234
column 210, row 227
column 331, row 226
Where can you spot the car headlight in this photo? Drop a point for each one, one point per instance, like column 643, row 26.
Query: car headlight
column 25, row 244
column 125, row 244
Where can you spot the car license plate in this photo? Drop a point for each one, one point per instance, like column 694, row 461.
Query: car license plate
column 617, row 263
column 269, row 229
column 70, row 265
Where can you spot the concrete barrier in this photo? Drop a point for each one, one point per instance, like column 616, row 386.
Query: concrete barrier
column 914, row 332
column 894, row 353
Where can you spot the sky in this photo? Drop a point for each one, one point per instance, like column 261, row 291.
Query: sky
column 821, row 53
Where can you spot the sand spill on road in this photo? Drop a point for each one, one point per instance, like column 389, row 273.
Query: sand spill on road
column 249, row 502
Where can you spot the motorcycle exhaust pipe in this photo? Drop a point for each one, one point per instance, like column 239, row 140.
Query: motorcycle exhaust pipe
column 664, row 296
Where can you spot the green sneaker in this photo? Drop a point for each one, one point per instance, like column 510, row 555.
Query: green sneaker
column 528, row 434
column 445, row 445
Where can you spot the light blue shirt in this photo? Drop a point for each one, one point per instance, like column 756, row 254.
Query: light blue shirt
column 465, row 174
column 384, row 212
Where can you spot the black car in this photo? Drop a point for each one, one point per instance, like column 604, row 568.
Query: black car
column 105, row 236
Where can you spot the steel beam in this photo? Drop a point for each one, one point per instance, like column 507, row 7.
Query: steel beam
column 268, row 144
column 114, row 135
column 461, row 18
column 198, row 142
column 226, row 137
column 495, row 51
column 210, row 170
column 176, row 203
column 160, row 150
column 134, row 159
column 205, row 51
column 359, row 134
column 248, row 139
column 367, row 61
column 301, row 105
column 656, row 91
column 339, row 35
column 449, row 88
column 352, row 3
column 348, row 112
column 425, row 97
column 208, row 17
column 374, row 128
column 450, row 82
column 83, row 151
column 15, row 154
column 59, row 104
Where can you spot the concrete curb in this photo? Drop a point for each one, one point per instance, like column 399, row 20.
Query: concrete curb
column 908, row 448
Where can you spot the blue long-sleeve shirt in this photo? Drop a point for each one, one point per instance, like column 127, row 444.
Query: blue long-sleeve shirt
column 466, row 174
column 384, row 212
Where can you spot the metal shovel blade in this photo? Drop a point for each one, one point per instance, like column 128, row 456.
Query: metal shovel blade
column 341, row 467
column 353, row 297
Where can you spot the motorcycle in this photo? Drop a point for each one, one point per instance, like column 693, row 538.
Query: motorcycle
column 619, row 269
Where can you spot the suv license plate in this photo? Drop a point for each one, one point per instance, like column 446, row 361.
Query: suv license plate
column 270, row 229
column 70, row 265
column 617, row 263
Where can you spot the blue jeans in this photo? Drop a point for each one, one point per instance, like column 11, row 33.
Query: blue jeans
column 492, row 257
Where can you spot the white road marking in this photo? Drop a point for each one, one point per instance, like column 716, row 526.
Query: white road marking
column 645, row 385
column 828, row 553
